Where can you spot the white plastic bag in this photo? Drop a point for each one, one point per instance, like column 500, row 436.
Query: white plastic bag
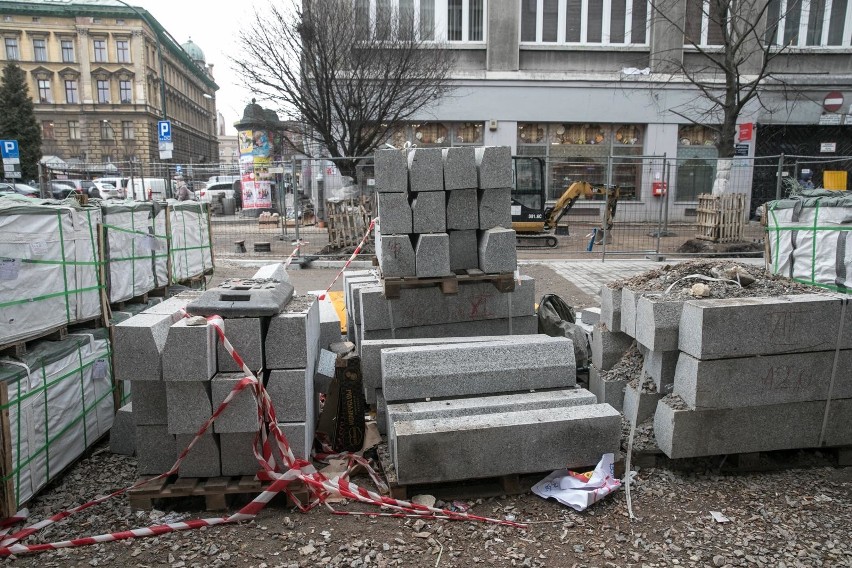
column 579, row 490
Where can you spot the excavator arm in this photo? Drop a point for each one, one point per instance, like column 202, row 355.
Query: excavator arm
column 566, row 201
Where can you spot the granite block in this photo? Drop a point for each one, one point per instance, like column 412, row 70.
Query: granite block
column 203, row 460
column 391, row 170
column 658, row 323
column 432, row 255
column 396, row 256
column 122, row 434
column 299, row 437
column 275, row 271
column 608, row 391
column 608, row 347
column 238, row 454
column 660, row 366
column 425, row 170
column 155, row 449
column 246, row 336
column 286, row 339
column 611, row 307
column 395, row 213
column 291, row 393
column 640, row 402
column 138, row 346
column 522, row 325
column 497, row 252
column 381, row 413
column 462, row 210
column 150, row 407
column 629, row 300
column 429, row 213
column 590, row 316
column 525, row 362
column 190, row 353
column 495, row 208
column 459, row 167
column 173, row 306
column 494, row 166
column 438, row 450
column 464, row 250
column 189, row 406
column 241, row 413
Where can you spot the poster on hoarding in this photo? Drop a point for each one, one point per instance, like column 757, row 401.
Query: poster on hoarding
column 257, row 195
column 261, row 145
column 246, row 141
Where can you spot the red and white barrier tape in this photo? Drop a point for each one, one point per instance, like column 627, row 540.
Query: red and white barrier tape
column 290, row 258
column 351, row 258
column 273, row 445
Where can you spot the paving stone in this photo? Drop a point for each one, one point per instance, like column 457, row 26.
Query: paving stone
column 150, row 406
column 494, row 166
column 425, row 170
column 497, row 251
column 683, row 433
column 241, row 413
column 590, row 316
column 432, row 255
column 391, row 168
column 629, row 300
column 608, row 347
column 474, row 301
column 154, row 449
column 658, row 323
column 395, row 213
column 286, row 338
column 291, row 393
column 275, row 271
column 237, row 454
column 758, row 381
column 138, row 346
column 459, row 167
column 203, row 460
column 429, row 212
column 639, row 402
column 449, row 449
column 462, row 210
column 740, row 327
column 607, row 391
column 190, row 353
column 611, row 307
column 298, row 437
column 246, row 336
column 522, row 363
column 464, row 250
column 122, row 434
column 188, row 406
column 660, row 366
column 396, row 255
column 495, row 208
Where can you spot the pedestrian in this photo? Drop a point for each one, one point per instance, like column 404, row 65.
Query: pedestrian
column 183, row 193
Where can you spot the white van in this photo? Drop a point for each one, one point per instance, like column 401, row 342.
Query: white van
column 146, row 189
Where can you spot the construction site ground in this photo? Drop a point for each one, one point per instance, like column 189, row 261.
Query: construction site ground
column 795, row 511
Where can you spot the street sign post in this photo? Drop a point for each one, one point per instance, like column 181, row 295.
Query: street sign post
column 164, row 135
column 11, row 155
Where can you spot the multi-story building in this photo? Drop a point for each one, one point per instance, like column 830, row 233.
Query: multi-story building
column 229, row 148
column 578, row 81
column 102, row 74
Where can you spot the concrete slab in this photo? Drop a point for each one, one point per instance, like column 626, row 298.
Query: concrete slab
column 150, row 406
column 203, row 460
column 495, row 208
column 464, row 250
column 658, row 323
column 758, row 381
column 154, row 449
column 608, row 347
column 241, row 413
column 395, row 213
column 497, row 251
column 740, row 327
column 189, row 406
column 138, row 346
column 450, row 449
column 122, row 434
column 246, row 335
column 640, row 402
column 522, row 363
column 425, row 169
column 432, row 255
column 684, row 433
column 391, row 169
column 237, row 454
column 462, row 210
column 459, row 167
column 611, row 307
column 396, row 255
column 429, row 212
column 291, row 393
column 494, row 166
column 190, row 354
column 607, row 391
column 661, row 366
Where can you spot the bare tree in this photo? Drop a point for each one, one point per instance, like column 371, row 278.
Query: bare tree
column 348, row 80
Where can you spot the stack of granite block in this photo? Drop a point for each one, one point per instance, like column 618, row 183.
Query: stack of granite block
column 444, row 210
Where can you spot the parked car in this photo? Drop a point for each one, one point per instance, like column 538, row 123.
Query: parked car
column 119, row 183
column 19, row 189
column 80, row 185
column 103, row 190
column 217, row 190
column 61, row 189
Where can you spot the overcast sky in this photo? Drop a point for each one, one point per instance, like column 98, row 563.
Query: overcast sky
column 213, row 25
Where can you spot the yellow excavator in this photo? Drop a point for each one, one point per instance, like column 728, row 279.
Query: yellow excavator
column 536, row 224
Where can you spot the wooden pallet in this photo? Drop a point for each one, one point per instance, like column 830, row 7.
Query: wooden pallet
column 348, row 220
column 721, row 218
column 18, row 348
column 214, row 490
column 449, row 284
column 776, row 460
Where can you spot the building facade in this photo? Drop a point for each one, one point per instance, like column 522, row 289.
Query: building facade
column 102, row 75
column 588, row 86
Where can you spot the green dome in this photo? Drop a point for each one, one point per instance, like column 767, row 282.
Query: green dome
column 194, row 51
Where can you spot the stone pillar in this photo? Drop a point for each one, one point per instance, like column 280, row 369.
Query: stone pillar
column 503, row 36
column 667, row 35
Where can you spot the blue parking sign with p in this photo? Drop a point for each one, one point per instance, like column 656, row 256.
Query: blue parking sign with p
column 164, row 127
column 9, row 149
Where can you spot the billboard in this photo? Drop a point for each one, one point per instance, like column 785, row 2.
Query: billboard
column 255, row 161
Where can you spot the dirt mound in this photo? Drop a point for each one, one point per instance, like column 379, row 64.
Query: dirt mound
column 697, row 246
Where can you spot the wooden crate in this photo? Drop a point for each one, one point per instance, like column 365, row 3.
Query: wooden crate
column 721, row 218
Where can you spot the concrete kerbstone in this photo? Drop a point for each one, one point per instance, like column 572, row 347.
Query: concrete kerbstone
column 590, row 316
column 658, row 323
column 425, row 170
column 154, row 449
column 396, row 256
column 173, row 306
column 150, row 406
column 494, row 166
column 497, row 251
column 203, row 460
column 189, row 406
column 629, row 300
column 122, row 434
column 611, row 307
column 464, row 250
column 286, row 338
column 640, row 403
column 429, row 213
column 241, row 413
column 291, row 393
column 510, row 327
column 608, row 347
column 395, row 213
column 237, row 454
column 275, row 271
column 661, row 366
column 299, row 438
column 381, row 413
column 432, row 255
column 462, row 210
column 246, row 335
column 609, row 392
column 190, row 354
column 495, row 208
column 459, row 167
column 391, row 168
column 138, row 346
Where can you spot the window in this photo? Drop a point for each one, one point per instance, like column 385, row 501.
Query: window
column 71, row 95
column 40, row 49
column 47, row 130
column 119, row 21
column 74, row 129
column 425, row 20
column 36, row 19
column 103, row 90
column 809, row 23
column 67, row 50
column 585, row 22
column 127, row 131
column 125, row 91
column 100, row 50
column 12, row 53
column 44, row 91
column 461, row 12
column 106, row 130
column 122, row 49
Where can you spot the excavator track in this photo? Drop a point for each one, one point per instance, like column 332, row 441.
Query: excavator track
column 537, row 241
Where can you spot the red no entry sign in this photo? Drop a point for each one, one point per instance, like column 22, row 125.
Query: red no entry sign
column 833, row 101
